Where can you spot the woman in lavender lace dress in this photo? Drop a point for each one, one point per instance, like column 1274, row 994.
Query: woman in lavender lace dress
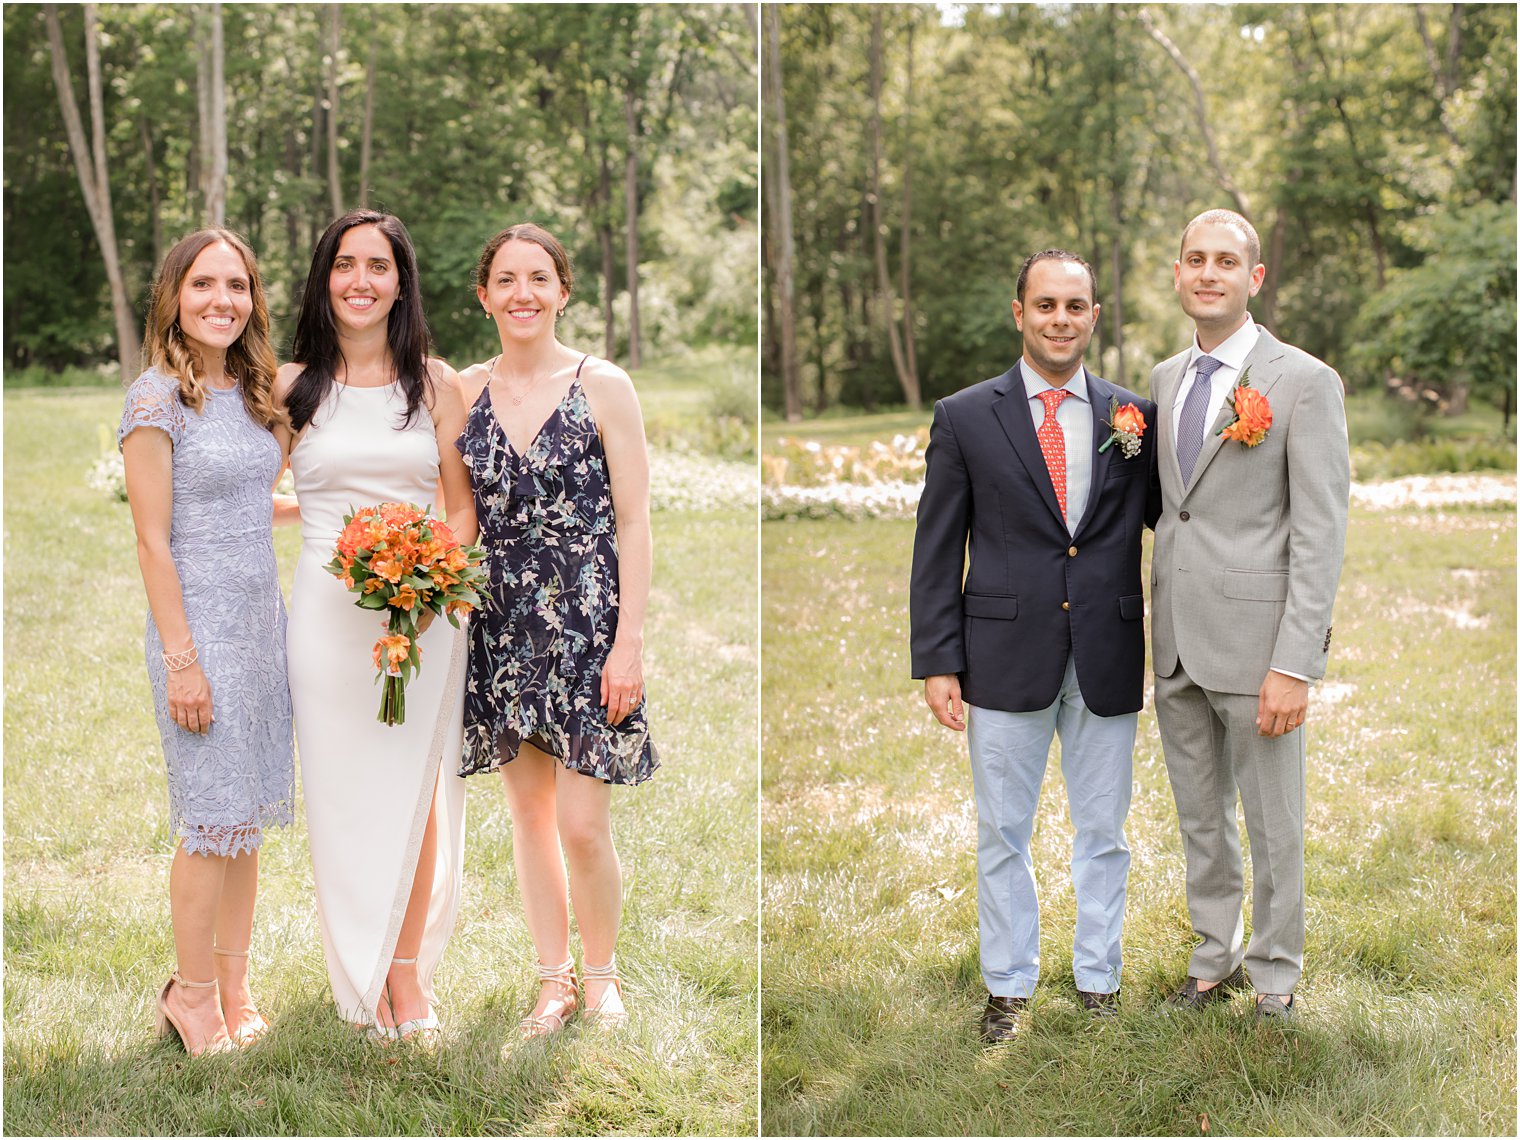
column 200, row 461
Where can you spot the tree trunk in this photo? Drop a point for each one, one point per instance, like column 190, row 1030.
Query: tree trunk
column 905, row 283
column 1116, row 267
column 631, row 209
column 609, row 265
column 91, row 171
column 334, row 42
column 905, row 379
column 155, row 198
column 369, row 121
column 1277, row 242
column 778, row 190
column 215, row 164
column 1200, row 114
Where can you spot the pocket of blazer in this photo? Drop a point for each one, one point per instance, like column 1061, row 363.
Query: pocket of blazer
column 1254, row 585
column 1005, row 606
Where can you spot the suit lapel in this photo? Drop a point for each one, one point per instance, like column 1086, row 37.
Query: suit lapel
column 1011, row 407
column 1099, row 393
column 1166, row 399
column 1261, row 361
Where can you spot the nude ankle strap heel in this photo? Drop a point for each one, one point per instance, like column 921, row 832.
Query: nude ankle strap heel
column 168, row 1024
column 255, row 1026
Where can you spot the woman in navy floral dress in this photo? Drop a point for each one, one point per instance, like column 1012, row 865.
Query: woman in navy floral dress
column 554, row 441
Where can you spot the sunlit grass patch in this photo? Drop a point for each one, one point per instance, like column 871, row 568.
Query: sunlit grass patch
column 87, row 845
column 872, row 984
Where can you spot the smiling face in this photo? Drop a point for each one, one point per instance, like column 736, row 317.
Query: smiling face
column 215, row 301
column 523, row 292
column 363, row 283
column 1214, row 279
column 1057, row 317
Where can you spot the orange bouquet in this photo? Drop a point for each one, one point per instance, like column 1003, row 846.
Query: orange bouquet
column 402, row 561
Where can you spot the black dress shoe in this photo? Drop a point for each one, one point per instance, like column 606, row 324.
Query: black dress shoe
column 1100, row 1005
column 1191, row 997
column 1000, row 1020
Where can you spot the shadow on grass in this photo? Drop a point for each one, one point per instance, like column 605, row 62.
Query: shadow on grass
column 314, row 1075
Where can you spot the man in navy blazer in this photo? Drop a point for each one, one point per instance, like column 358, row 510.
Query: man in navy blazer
column 1044, row 479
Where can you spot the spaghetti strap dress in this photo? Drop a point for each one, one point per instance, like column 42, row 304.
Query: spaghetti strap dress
column 549, row 614
column 367, row 785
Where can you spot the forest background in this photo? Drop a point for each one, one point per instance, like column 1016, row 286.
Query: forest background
column 920, row 152
column 629, row 130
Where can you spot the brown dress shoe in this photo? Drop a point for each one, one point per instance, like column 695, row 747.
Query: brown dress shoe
column 1000, row 1020
column 1191, row 997
column 1099, row 1005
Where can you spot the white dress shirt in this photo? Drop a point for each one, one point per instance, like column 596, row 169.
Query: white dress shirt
column 1075, row 417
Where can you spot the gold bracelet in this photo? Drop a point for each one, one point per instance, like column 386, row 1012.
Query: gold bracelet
column 181, row 660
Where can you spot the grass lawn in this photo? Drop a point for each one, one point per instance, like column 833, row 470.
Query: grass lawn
column 872, row 989
column 87, row 848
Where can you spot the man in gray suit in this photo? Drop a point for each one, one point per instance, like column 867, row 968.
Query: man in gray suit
column 1255, row 480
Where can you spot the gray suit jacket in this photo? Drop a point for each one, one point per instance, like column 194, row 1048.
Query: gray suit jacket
column 1248, row 557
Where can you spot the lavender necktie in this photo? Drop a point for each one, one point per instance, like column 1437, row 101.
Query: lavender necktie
column 1195, row 410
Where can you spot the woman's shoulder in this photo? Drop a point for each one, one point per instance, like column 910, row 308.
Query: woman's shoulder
column 472, row 379
column 153, row 381
column 602, row 377
column 285, row 378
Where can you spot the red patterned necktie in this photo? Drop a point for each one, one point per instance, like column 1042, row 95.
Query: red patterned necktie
column 1053, row 443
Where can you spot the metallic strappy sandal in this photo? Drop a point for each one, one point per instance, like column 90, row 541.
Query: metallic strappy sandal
column 605, row 1019
column 418, row 1030
column 552, row 1021
column 168, row 1026
column 255, row 1026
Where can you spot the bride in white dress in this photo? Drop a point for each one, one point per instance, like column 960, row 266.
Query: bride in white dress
column 374, row 421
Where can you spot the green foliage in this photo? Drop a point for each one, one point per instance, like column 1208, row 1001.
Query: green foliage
column 1032, row 126
column 87, row 844
column 1451, row 318
column 870, row 942
column 484, row 115
column 1373, row 460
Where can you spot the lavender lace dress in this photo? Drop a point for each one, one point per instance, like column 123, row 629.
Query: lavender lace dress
column 549, row 616
column 227, row 784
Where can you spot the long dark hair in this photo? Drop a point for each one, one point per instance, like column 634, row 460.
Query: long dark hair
column 316, row 341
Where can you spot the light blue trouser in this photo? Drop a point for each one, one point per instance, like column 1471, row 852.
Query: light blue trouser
column 1008, row 754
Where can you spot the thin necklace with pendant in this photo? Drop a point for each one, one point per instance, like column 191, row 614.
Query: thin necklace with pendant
column 516, row 400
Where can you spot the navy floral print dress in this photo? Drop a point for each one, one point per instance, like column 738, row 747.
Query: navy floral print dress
column 549, row 616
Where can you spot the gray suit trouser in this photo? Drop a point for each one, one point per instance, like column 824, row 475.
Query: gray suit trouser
column 1212, row 752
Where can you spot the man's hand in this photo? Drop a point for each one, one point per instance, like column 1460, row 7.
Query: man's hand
column 1282, row 704
column 943, row 692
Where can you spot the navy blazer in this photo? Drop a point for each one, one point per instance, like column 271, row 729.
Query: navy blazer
column 1033, row 592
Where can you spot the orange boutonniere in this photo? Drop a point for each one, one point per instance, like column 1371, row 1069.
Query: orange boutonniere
column 1128, row 424
column 1253, row 415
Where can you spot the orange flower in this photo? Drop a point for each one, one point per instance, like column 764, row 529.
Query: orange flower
column 387, row 568
column 392, row 650
column 1253, row 416
column 405, row 598
column 1129, row 419
column 443, row 534
column 373, row 585
column 457, row 607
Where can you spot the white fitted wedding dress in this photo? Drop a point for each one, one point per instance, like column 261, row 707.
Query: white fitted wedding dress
column 367, row 785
